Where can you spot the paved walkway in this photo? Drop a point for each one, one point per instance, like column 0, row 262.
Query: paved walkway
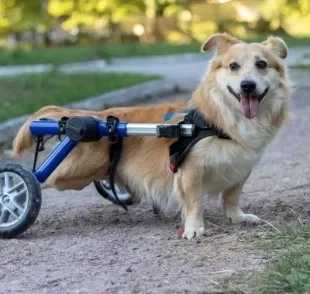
column 185, row 68
column 188, row 72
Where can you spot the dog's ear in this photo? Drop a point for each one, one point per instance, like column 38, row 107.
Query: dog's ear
column 219, row 42
column 276, row 45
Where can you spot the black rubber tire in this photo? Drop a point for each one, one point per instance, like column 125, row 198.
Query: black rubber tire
column 156, row 209
column 34, row 201
column 103, row 192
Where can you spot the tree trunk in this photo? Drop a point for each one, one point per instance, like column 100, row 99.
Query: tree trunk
column 150, row 14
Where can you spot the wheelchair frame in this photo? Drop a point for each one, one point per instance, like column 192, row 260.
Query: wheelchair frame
column 75, row 129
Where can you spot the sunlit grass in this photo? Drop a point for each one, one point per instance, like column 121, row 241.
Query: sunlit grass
column 27, row 93
column 107, row 51
column 289, row 270
column 288, row 267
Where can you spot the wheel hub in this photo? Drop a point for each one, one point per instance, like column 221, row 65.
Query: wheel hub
column 13, row 198
column 6, row 199
column 20, row 200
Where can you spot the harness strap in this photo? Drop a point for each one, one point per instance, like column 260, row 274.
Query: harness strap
column 116, row 148
column 180, row 148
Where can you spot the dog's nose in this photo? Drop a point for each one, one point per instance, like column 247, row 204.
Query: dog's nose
column 248, row 86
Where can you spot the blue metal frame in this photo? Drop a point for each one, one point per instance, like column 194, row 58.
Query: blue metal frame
column 54, row 159
column 51, row 127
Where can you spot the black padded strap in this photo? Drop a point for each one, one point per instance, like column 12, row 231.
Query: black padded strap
column 116, row 148
column 196, row 118
column 179, row 149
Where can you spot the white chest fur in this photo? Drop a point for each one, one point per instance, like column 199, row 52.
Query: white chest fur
column 226, row 173
column 226, row 163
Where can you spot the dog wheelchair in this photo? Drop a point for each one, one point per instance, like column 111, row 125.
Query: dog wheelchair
column 20, row 192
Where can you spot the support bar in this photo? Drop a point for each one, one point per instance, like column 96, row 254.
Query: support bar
column 44, row 127
column 124, row 129
column 142, row 129
column 54, row 159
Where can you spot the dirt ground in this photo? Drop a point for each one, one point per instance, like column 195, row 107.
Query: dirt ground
column 79, row 244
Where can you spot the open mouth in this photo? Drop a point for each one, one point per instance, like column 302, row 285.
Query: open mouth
column 249, row 103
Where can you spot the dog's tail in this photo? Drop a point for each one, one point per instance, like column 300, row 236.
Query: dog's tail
column 23, row 140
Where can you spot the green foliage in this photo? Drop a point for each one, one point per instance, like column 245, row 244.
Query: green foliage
column 289, row 270
column 81, row 53
column 158, row 19
column 87, row 12
column 20, row 15
column 27, row 93
column 286, row 14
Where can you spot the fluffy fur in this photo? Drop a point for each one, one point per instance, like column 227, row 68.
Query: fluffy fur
column 214, row 166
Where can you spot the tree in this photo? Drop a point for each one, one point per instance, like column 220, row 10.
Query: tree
column 276, row 12
column 20, row 15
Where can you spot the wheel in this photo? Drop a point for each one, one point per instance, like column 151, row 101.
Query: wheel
column 104, row 189
column 20, row 200
column 156, row 209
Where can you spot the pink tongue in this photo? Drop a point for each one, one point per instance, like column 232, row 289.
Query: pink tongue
column 249, row 106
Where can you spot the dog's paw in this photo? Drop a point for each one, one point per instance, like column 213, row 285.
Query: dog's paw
column 245, row 218
column 191, row 232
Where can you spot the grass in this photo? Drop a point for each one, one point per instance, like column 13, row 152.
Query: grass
column 290, row 40
column 81, row 53
column 27, row 93
column 288, row 269
column 306, row 55
column 289, row 272
column 301, row 66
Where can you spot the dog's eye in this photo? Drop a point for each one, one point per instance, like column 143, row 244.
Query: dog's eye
column 261, row 64
column 234, row 66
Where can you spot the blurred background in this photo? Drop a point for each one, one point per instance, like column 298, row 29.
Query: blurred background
column 107, row 28
column 64, row 51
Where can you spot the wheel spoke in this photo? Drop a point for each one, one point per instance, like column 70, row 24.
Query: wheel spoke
column 2, row 186
column 18, row 194
column 8, row 180
column 12, row 212
column 17, row 205
column 16, row 187
column 17, row 202
column 4, row 216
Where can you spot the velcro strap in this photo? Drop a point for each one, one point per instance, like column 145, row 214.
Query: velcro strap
column 116, row 148
column 179, row 149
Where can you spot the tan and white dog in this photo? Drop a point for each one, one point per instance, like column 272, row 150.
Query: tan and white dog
column 245, row 92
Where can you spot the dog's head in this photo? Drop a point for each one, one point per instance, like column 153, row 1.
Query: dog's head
column 246, row 73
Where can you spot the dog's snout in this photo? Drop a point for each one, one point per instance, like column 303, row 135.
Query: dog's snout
column 248, row 86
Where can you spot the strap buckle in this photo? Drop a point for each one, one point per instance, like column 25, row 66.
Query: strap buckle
column 112, row 127
column 171, row 131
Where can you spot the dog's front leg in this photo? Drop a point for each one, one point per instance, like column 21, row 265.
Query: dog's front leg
column 189, row 190
column 231, row 206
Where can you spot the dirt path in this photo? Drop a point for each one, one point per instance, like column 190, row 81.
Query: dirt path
column 80, row 245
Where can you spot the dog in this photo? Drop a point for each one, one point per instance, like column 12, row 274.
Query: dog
column 246, row 92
